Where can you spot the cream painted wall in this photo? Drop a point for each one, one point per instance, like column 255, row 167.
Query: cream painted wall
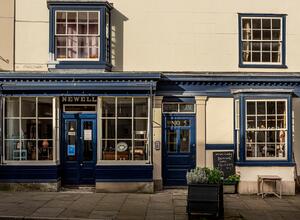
column 219, row 121
column 32, row 35
column 168, row 35
column 7, row 33
column 296, row 132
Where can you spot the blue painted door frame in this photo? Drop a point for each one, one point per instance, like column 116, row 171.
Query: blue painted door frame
column 79, row 148
column 178, row 134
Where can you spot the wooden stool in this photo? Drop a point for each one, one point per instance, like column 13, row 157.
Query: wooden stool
column 268, row 178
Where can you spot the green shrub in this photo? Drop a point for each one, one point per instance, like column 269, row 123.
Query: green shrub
column 204, row 175
column 233, row 179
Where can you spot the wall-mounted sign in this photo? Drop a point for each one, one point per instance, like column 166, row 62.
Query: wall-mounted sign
column 87, row 135
column 71, row 150
column 157, row 145
column 178, row 122
column 71, row 133
column 79, row 100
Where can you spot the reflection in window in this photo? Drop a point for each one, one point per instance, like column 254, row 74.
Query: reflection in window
column 124, row 131
column 28, row 136
column 266, row 128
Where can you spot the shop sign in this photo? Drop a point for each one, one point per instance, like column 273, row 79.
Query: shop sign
column 79, row 99
column 87, row 135
column 224, row 162
column 178, row 122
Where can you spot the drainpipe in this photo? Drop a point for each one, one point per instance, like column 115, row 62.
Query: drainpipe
column 14, row 39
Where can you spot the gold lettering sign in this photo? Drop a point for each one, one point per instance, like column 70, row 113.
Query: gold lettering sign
column 79, row 100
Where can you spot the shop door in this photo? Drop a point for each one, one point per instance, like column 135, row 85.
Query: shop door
column 178, row 149
column 79, row 149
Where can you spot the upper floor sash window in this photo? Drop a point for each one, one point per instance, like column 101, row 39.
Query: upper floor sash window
column 262, row 41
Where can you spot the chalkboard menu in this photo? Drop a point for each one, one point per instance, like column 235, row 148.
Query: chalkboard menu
column 224, row 162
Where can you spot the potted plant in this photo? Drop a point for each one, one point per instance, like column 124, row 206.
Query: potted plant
column 230, row 183
column 205, row 192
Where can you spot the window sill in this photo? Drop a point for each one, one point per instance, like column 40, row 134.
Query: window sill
column 79, row 65
column 275, row 66
column 30, row 163
column 279, row 163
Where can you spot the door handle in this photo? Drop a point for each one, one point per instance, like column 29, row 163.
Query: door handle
column 81, row 164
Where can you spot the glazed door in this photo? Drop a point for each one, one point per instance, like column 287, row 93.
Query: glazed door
column 79, row 149
column 178, row 149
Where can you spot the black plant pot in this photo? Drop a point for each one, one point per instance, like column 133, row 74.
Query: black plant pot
column 205, row 199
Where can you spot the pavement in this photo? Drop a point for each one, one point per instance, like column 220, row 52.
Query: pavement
column 165, row 205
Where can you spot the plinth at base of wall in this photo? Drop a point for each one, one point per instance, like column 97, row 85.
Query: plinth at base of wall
column 130, row 187
column 44, row 187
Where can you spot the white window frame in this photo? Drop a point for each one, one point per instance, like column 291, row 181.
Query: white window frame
column 100, row 161
column 55, row 133
column 266, row 129
column 77, row 35
column 280, row 41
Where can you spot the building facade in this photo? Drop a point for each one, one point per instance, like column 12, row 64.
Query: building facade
column 128, row 96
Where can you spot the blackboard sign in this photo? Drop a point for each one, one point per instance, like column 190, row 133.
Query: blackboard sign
column 224, row 162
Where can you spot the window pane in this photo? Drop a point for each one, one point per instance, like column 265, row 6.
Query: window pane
column 256, row 57
column 93, row 41
column 124, row 107
column 271, row 107
column 140, row 129
column 281, row 136
column 93, row 29
column 271, row 120
column 261, row 108
column 12, row 107
column 71, row 28
column 261, row 136
column 266, row 46
column 71, row 142
column 280, row 107
column 261, row 122
column 108, row 128
column 276, row 35
column 281, row 122
column 171, row 138
column 250, row 150
column 82, row 41
column 251, row 122
column 29, row 148
column 124, row 149
column 12, row 129
column 72, row 52
column 61, row 16
column 94, row 52
column 250, row 108
column 45, row 149
column 12, row 149
column 186, row 107
column 61, row 53
column 271, row 150
column 45, row 129
column 276, row 23
column 82, row 28
column 82, row 17
column 28, row 106
column 266, row 57
column 45, row 108
column 256, row 35
column 108, row 149
column 108, row 107
column 140, row 150
column 72, row 17
column 170, row 107
column 250, row 135
column 256, row 23
column 261, row 150
column 61, row 28
column 275, row 57
column 93, row 17
column 246, row 56
column 256, row 46
column 266, row 23
column 61, row 41
column 246, row 23
column 271, row 136
column 83, row 52
column 184, row 144
column 266, row 35
column 28, row 129
column 124, row 128
column 140, row 107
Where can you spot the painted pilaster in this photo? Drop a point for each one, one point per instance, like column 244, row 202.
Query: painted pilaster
column 157, row 138
column 200, row 130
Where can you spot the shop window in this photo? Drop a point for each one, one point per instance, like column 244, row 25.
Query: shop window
column 28, row 128
column 80, row 35
column 262, row 40
column 266, row 129
column 125, row 128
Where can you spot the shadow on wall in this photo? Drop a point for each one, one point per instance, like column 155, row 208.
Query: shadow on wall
column 117, row 39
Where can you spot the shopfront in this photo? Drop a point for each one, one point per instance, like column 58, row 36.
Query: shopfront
column 100, row 138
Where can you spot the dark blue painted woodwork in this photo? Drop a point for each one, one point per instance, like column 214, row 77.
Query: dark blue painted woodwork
column 124, row 173
column 176, row 163
column 283, row 48
column 29, row 173
column 242, row 151
column 102, row 7
column 219, row 146
column 79, row 170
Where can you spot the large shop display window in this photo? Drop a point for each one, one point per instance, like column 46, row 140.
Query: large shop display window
column 125, row 128
column 264, row 130
column 28, row 128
